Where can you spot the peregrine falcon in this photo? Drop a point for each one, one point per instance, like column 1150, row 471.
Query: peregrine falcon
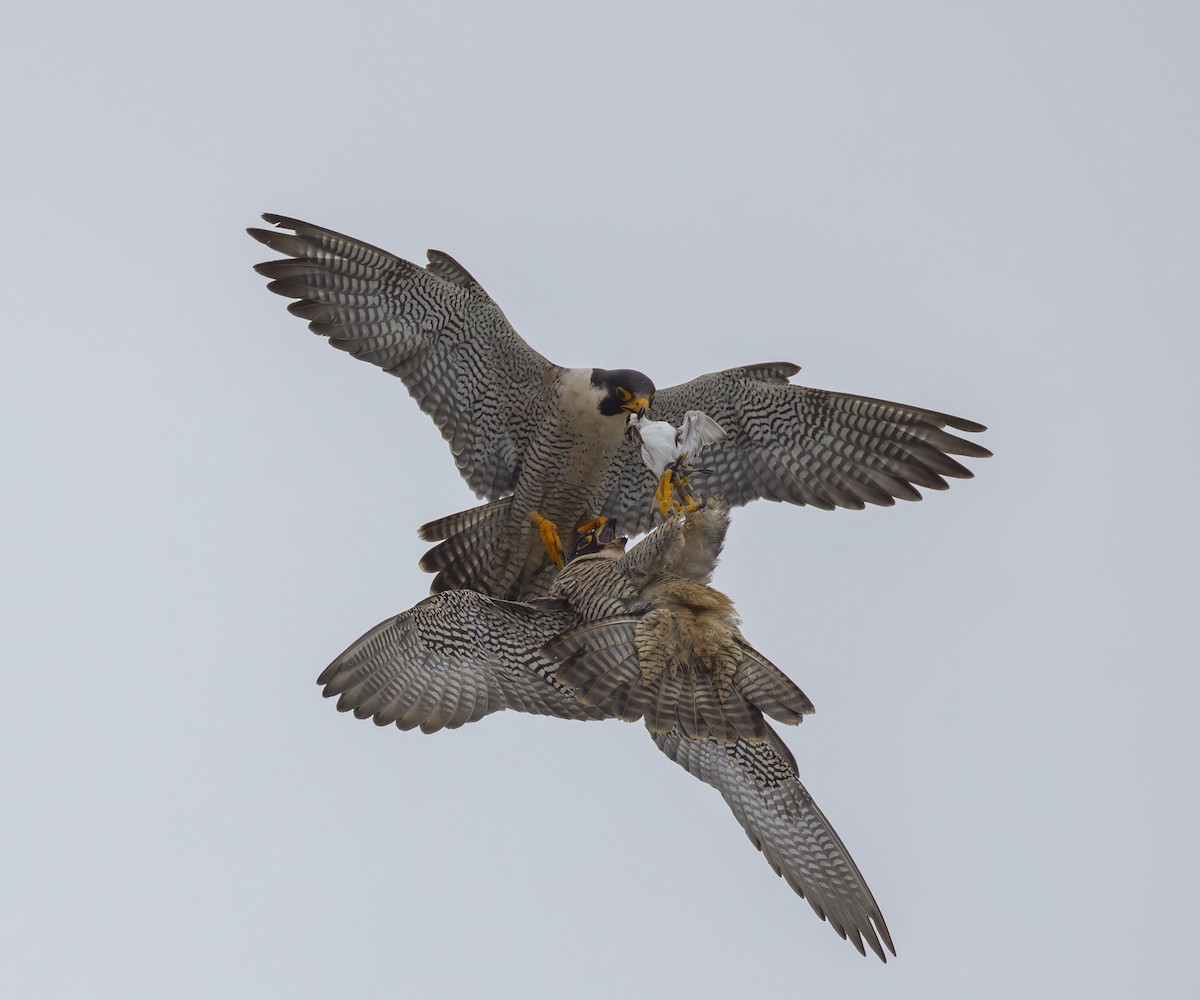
column 536, row 438
column 635, row 634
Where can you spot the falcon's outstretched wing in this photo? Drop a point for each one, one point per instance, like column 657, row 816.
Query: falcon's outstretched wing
column 453, row 659
column 800, row 445
column 760, row 784
column 434, row 327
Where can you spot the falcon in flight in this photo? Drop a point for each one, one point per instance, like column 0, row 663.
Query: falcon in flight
column 637, row 634
column 546, row 444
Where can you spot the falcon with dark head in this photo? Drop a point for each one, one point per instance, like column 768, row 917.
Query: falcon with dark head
column 546, row 444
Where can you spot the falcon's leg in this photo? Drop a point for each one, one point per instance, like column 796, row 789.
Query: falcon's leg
column 688, row 503
column 663, row 493
column 549, row 534
column 683, row 478
column 585, row 526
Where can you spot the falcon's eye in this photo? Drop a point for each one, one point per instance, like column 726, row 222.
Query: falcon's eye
column 624, row 394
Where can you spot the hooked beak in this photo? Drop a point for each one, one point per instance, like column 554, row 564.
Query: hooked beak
column 599, row 539
column 639, row 405
column 608, row 535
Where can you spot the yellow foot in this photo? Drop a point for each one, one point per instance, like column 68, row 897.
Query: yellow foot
column 664, row 492
column 549, row 533
column 585, row 526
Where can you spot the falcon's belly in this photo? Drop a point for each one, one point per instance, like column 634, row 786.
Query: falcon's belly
column 577, row 479
column 571, row 466
column 567, row 475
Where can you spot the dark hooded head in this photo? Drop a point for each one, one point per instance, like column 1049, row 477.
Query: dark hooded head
column 624, row 390
column 598, row 539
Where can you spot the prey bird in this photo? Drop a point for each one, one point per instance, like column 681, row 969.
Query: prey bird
column 546, row 444
column 630, row 635
column 666, row 451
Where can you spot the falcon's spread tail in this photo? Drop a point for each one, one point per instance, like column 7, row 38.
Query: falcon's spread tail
column 490, row 550
column 469, row 541
column 760, row 785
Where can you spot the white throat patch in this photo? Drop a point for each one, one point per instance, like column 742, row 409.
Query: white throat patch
column 580, row 402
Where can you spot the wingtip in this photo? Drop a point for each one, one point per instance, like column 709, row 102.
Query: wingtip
column 881, row 938
column 289, row 222
column 970, row 426
column 970, row 449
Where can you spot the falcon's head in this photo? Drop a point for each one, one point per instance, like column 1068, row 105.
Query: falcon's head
column 600, row 539
column 622, row 391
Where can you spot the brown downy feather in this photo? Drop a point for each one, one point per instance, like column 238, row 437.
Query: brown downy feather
column 683, row 663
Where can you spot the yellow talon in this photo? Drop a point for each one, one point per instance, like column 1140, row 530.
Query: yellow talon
column 549, row 534
column 664, row 493
column 585, row 526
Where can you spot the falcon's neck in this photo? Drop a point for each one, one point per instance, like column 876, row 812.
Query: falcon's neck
column 579, row 403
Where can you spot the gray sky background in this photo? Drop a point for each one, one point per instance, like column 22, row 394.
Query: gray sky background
column 989, row 209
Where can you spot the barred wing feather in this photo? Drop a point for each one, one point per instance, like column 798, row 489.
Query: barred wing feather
column 452, row 659
column 760, row 785
column 434, row 327
column 799, row 445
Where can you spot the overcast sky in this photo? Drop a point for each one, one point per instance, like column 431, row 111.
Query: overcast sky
column 989, row 209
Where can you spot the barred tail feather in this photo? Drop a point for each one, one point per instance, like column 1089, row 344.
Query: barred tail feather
column 468, row 539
